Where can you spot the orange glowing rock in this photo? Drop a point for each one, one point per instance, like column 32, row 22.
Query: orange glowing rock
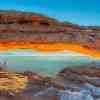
column 46, row 47
column 39, row 32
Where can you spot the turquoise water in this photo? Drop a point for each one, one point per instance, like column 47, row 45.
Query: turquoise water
column 42, row 63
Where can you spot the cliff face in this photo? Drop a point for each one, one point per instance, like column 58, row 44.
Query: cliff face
column 35, row 28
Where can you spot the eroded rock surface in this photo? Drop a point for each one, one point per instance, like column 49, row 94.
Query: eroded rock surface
column 36, row 28
column 72, row 83
column 83, row 80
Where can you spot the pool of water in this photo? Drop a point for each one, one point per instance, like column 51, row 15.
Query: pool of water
column 42, row 63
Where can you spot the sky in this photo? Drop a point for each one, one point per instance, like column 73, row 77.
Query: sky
column 83, row 12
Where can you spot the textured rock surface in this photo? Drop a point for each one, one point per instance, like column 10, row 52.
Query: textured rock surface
column 11, row 81
column 83, row 80
column 74, row 83
column 36, row 28
column 68, row 95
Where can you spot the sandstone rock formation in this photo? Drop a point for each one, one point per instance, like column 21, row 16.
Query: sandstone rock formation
column 11, row 81
column 36, row 28
column 75, row 83
column 22, row 30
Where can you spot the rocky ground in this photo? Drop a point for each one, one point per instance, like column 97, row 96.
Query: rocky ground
column 74, row 83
